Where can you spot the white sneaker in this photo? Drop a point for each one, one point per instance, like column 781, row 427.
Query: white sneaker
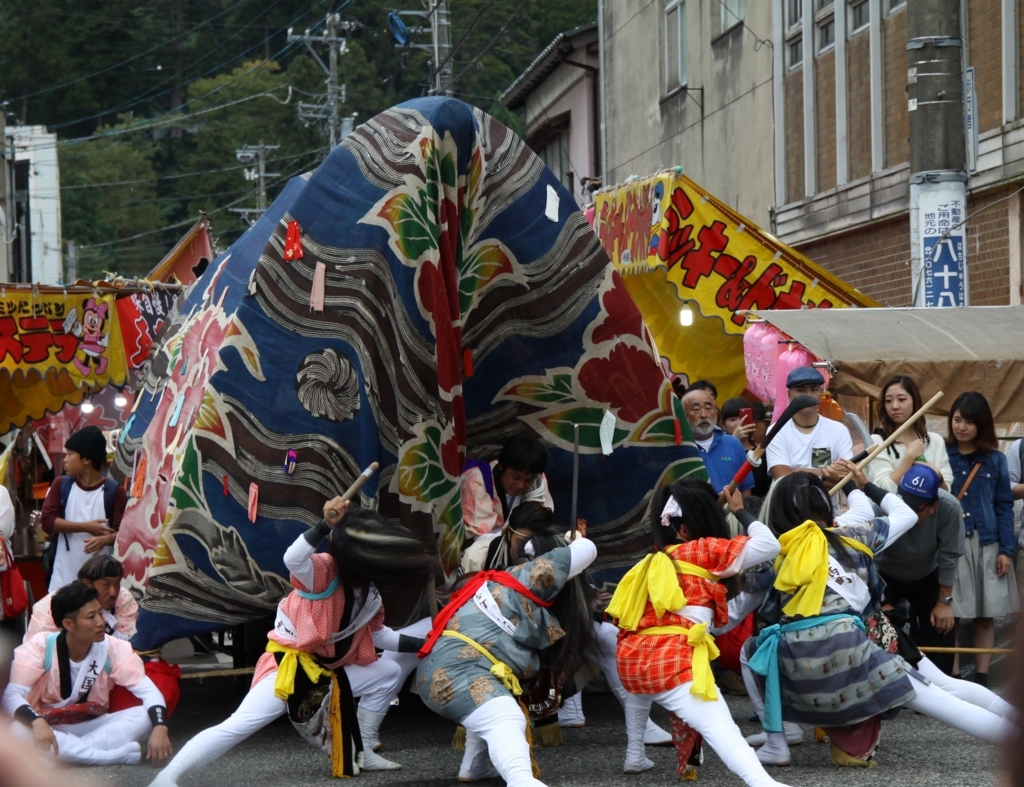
column 481, row 768
column 794, row 735
column 637, row 767
column 656, row 736
column 775, row 751
column 571, row 713
column 374, row 762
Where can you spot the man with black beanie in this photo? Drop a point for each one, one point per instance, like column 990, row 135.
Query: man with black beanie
column 82, row 510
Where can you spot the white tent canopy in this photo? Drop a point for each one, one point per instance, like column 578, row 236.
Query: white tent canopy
column 975, row 348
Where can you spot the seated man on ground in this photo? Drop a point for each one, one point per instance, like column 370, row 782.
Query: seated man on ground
column 491, row 491
column 61, row 682
column 118, row 607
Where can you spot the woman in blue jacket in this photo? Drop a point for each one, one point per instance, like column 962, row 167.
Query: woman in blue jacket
column 985, row 587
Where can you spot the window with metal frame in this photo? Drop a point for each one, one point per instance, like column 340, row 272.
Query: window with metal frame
column 794, row 13
column 896, row 5
column 730, row 14
column 860, row 16
column 674, row 43
column 794, row 52
column 826, row 33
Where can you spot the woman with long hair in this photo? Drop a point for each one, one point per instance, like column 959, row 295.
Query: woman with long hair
column 899, row 399
column 664, row 607
column 820, row 665
column 488, row 640
column 322, row 650
column 985, row 586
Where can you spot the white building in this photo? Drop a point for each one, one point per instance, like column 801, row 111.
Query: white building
column 34, row 196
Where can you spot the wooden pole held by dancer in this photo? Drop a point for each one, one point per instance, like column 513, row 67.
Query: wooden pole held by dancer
column 891, row 439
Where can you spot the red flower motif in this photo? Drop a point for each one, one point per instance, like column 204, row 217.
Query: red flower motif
column 628, row 381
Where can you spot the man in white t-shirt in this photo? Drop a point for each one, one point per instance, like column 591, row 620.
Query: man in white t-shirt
column 809, row 443
column 83, row 509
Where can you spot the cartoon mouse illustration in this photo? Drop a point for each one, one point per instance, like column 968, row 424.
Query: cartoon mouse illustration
column 93, row 336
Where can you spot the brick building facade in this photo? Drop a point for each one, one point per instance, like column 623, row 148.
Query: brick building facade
column 810, row 135
column 842, row 190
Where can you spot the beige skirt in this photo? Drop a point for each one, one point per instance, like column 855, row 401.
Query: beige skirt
column 978, row 592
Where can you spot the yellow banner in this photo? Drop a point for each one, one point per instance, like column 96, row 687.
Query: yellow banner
column 54, row 349
column 676, row 246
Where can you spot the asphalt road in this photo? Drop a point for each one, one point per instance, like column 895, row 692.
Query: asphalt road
column 915, row 751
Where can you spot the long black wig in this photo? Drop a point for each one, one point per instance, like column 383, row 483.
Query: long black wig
column 366, row 547
column 799, row 497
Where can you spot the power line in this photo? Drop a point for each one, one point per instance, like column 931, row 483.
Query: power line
column 189, row 222
column 472, row 25
column 197, row 173
column 130, row 59
column 144, row 97
column 491, row 43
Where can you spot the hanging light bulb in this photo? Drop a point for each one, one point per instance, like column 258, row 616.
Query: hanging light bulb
column 120, row 400
column 686, row 315
column 87, row 406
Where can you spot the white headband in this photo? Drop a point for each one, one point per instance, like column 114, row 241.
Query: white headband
column 670, row 510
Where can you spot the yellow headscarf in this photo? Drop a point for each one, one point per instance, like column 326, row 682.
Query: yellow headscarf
column 801, row 569
column 652, row 579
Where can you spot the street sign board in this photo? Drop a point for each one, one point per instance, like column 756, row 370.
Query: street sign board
column 970, row 120
column 942, row 248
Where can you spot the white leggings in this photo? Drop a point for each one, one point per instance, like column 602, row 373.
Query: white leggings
column 978, row 722
column 374, row 684
column 602, row 650
column 500, row 723
column 966, row 706
column 714, row 722
column 407, row 662
column 967, row 690
column 88, row 742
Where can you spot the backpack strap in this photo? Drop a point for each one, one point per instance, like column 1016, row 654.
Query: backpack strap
column 51, row 644
column 109, row 495
column 66, row 483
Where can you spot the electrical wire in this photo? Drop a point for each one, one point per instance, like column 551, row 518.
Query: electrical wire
column 197, row 173
column 128, row 60
column 472, row 25
column 490, row 43
column 189, row 222
column 147, row 95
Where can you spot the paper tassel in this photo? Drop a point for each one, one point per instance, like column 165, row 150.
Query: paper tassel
column 289, row 462
column 139, row 480
column 177, row 411
column 679, row 431
column 293, row 242
column 467, row 362
column 316, row 295
column 225, row 486
column 254, row 497
column 459, row 741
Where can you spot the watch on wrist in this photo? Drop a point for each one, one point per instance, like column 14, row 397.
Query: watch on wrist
column 947, row 600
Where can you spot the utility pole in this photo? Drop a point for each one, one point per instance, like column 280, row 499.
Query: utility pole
column 256, row 155
column 5, row 205
column 72, row 264
column 938, row 176
column 440, row 28
column 336, row 93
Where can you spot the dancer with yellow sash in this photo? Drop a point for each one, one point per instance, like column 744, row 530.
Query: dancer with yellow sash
column 664, row 607
column 322, row 650
column 821, row 664
column 486, row 643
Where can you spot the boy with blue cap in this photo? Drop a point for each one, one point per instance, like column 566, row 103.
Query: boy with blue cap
column 921, row 566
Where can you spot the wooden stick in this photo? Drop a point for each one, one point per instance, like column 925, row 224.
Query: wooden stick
column 892, row 439
column 361, row 479
column 575, row 478
column 930, row 649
